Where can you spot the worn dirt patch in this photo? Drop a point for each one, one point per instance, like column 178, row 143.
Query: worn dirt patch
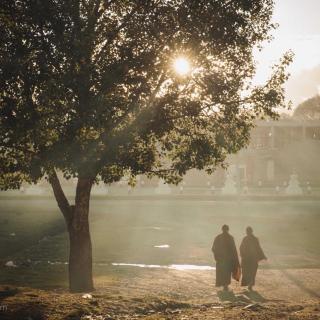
column 169, row 294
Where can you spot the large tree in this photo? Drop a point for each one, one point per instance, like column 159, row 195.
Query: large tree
column 309, row 109
column 88, row 88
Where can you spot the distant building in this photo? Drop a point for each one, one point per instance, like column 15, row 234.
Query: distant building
column 278, row 149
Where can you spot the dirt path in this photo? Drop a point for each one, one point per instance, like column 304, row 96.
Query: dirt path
column 155, row 294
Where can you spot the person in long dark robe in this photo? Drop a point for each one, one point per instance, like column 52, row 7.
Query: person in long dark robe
column 251, row 253
column 226, row 256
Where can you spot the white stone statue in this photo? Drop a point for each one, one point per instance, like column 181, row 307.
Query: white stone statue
column 229, row 187
column 162, row 188
column 34, row 190
column 99, row 190
column 293, row 187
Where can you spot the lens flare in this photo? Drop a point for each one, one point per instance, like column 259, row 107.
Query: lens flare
column 181, row 66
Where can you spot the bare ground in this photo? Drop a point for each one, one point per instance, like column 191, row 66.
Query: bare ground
column 156, row 294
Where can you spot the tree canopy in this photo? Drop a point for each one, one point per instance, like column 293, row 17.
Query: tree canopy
column 309, row 109
column 87, row 87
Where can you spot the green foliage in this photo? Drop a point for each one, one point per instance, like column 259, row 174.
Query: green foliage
column 88, row 87
column 309, row 109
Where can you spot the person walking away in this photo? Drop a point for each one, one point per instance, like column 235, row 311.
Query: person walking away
column 251, row 253
column 226, row 256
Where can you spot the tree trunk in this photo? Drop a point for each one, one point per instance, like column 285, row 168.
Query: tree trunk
column 80, row 255
column 77, row 220
column 80, row 259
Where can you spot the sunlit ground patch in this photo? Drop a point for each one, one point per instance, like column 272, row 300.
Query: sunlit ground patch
column 180, row 267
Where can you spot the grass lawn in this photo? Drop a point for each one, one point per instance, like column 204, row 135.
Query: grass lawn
column 32, row 232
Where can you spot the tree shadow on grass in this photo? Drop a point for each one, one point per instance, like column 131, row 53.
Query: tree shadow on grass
column 75, row 315
column 29, row 310
column 7, row 291
column 40, row 277
column 300, row 284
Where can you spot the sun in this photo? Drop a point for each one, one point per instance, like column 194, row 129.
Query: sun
column 181, row 66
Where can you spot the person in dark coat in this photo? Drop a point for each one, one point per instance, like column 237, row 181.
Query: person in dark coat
column 226, row 256
column 251, row 253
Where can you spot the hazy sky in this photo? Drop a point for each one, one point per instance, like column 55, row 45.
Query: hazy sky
column 299, row 30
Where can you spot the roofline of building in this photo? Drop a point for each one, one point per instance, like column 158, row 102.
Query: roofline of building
column 288, row 123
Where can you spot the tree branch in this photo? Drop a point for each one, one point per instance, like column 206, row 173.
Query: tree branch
column 83, row 190
column 134, row 106
column 115, row 33
column 61, row 199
